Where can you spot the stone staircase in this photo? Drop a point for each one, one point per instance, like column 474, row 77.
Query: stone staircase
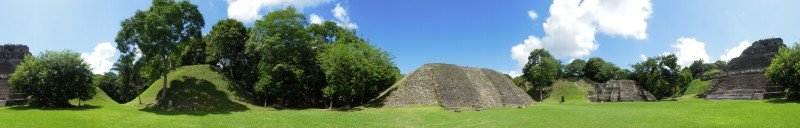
column 746, row 85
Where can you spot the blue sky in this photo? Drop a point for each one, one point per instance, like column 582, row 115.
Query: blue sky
column 476, row 33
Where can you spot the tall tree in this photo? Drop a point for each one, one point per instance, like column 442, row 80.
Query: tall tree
column 698, row 68
column 541, row 71
column 599, row 70
column 288, row 68
column 784, row 70
column 226, row 51
column 574, row 69
column 162, row 33
column 661, row 76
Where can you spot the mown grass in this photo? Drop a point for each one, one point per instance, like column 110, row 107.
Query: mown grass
column 685, row 112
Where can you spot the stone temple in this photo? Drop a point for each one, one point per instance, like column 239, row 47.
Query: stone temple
column 11, row 55
column 744, row 78
column 618, row 90
column 454, row 87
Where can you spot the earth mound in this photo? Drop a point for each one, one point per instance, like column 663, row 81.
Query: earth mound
column 454, row 87
column 191, row 88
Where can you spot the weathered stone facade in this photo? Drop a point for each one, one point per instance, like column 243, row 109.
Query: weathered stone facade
column 618, row 90
column 11, row 55
column 454, row 87
column 744, row 78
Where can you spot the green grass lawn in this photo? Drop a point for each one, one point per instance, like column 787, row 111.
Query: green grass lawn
column 576, row 112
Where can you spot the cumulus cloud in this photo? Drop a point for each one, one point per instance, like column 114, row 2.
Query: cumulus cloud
column 689, row 50
column 101, row 58
column 571, row 28
column 342, row 18
column 532, row 15
column 248, row 10
column 643, row 57
column 514, row 73
column 315, row 19
column 735, row 51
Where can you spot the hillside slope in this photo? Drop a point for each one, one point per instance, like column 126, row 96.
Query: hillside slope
column 100, row 98
column 573, row 91
column 191, row 88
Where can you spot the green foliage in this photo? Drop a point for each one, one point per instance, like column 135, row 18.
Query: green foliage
column 572, row 91
column 167, row 34
column 574, row 69
column 355, row 72
column 661, row 76
column 599, row 70
column 109, row 83
column 698, row 68
column 226, row 51
column 541, row 71
column 784, row 70
column 53, row 78
column 288, row 68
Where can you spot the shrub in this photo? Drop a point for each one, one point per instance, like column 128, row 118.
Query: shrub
column 53, row 78
column 785, row 70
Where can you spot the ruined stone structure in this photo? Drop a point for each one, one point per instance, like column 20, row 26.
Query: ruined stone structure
column 454, row 87
column 618, row 90
column 11, row 55
column 744, row 78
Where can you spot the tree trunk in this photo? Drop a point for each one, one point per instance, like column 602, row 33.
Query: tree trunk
column 540, row 95
column 265, row 98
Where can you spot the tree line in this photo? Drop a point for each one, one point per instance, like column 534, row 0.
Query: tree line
column 660, row 75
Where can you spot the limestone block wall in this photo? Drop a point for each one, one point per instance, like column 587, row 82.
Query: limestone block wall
column 618, row 90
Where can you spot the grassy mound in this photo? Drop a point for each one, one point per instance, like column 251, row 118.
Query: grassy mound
column 100, row 98
column 573, row 91
column 697, row 86
column 191, row 88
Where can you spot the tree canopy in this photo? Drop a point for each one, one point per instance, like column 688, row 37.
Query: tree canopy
column 661, row 76
column 541, row 71
column 53, row 78
column 784, row 70
column 166, row 35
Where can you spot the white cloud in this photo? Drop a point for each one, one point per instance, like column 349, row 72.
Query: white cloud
column 689, row 50
column 101, row 58
column 315, row 19
column 571, row 28
column 248, row 10
column 532, row 15
column 514, row 73
column 643, row 57
column 735, row 51
column 342, row 18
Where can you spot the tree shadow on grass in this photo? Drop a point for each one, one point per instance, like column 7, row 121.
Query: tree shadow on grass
column 192, row 96
column 782, row 101
column 69, row 108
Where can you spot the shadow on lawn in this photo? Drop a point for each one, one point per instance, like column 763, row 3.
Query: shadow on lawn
column 192, row 96
column 72, row 108
column 782, row 101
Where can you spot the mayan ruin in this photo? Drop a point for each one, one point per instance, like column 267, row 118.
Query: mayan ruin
column 11, row 55
column 455, row 87
column 618, row 90
column 744, row 78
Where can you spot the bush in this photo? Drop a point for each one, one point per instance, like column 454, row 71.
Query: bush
column 785, row 71
column 53, row 78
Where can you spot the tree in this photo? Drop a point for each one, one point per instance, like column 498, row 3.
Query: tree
column 355, row 71
column 162, row 33
column 108, row 83
column 599, row 70
column 784, row 70
column 541, row 71
column 288, row 68
column 719, row 64
column 226, row 51
column 661, row 76
column 53, row 78
column 698, row 68
column 574, row 69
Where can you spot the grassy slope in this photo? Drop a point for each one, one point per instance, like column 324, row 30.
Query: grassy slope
column 697, row 86
column 100, row 98
column 573, row 92
column 196, row 86
column 686, row 112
